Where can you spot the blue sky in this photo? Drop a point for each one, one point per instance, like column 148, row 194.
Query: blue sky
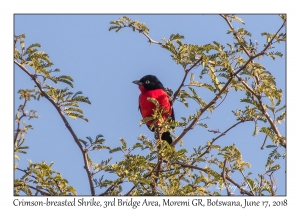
column 103, row 65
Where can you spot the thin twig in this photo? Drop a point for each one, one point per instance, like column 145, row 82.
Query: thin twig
column 222, row 134
column 19, row 121
column 151, row 40
column 145, row 188
column 263, row 145
column 127, row 194
column 221, row 101
column 190, row 166
column 272, row 190
column 26, row 173
column 251, row 190
column 184, row 78
column 224, row 178
column 40, row 191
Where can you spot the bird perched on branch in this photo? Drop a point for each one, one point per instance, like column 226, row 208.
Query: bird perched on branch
column 151, row 87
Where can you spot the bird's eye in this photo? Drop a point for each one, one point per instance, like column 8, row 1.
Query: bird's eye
column 147, row 82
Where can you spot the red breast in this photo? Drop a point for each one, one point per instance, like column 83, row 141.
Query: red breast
column 147, row 107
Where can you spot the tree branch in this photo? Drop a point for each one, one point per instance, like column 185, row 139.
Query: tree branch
column 151, row 40
column 43, row 93
column 243, row 191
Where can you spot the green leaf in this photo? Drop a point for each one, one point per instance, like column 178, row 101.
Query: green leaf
column 281, row 108
column 255, row 132
column 138, row 145
column 251, row 183
column 283, row 17
column 124, row 145
column 72, row 190
column 73, row 109
column 115, row 150
column 238, row 19
column 175, row 37
column 83, row 142
column 145, row 181
column 17, row 157
column 214, row 78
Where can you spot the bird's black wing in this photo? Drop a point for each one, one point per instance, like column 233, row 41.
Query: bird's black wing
column 173, row 114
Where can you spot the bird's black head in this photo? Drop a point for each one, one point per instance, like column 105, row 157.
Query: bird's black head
column 149, row 82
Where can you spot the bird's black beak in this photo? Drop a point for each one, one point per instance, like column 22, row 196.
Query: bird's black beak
column 137, row 82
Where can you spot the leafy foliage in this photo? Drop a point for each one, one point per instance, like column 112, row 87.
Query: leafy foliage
column 39, row 61
column 40, row 178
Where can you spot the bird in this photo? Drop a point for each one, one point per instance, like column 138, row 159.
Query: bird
column 151, row 87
